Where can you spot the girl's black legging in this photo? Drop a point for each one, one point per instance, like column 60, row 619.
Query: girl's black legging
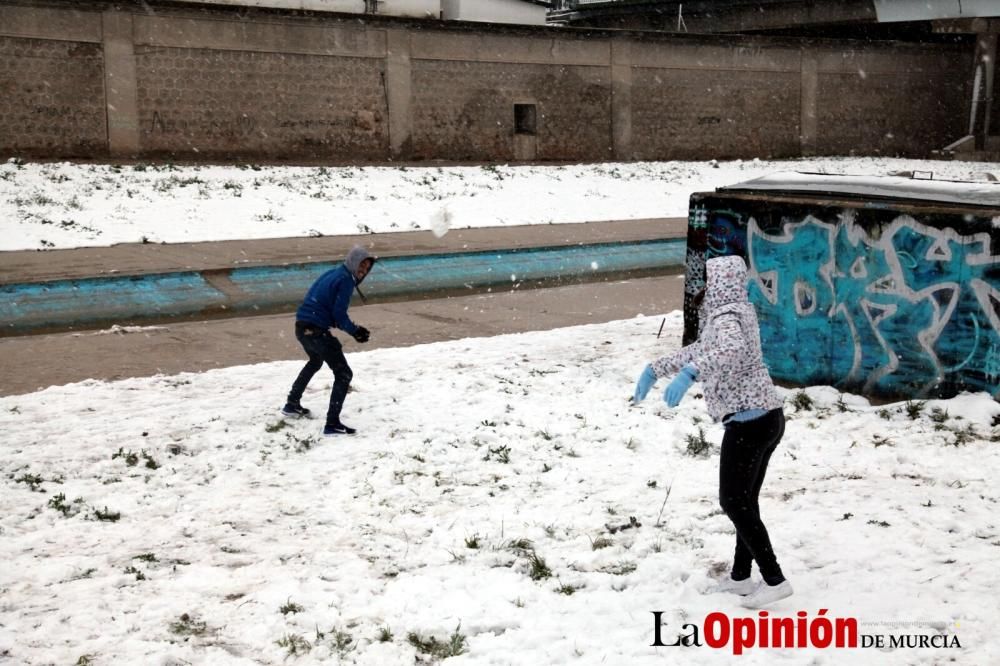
column 746, row 450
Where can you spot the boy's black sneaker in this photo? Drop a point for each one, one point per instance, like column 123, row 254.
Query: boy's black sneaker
column 337, row 428
column 297, row 411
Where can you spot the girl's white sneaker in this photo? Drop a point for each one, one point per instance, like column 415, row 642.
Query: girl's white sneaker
column 767, row 594
column 730, row 586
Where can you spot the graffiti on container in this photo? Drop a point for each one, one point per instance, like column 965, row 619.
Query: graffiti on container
column 913, row 310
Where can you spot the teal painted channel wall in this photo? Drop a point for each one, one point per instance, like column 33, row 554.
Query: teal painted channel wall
column 83, row 302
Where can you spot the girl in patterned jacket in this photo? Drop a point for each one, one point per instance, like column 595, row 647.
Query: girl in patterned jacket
column 727, row 359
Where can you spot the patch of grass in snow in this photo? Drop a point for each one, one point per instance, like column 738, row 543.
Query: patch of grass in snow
column 36, row 199
column 33, row 481
column 269, row 216
column 622, row 568
column 58, row 502
column 963, row 436
column 801, row 400
column 131, row 458
column 384, row 635
column 290, row 607
column 299, row 444
column 341, row 641
column 697, row 445
column 537, row 568
column 879, row 440
column 275, row 427
column 107, row 515
column 520, row 546
column 295, row 644
column 439, row 649
column 914, row 408
column 788, row 495
column 568, row 589
column 85, row 660
column 501, row 454
column 139, row 575
column 146, row 557
column 885, row 414
column 939, row 417
column 472, row 541
column 601, row 542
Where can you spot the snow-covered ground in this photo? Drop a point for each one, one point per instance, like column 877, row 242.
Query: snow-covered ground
column 181, row 520
column 63, row 205
column 502, row 501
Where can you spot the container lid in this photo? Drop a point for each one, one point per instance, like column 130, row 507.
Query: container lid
column 983, row 193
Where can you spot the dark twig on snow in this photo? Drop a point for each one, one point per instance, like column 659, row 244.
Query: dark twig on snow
column 663, row 506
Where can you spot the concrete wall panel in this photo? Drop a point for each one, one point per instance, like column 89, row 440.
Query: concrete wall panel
column 52, row 98
column 217, row 103
column 872, row 113
column 465, row 110
column 700, row 114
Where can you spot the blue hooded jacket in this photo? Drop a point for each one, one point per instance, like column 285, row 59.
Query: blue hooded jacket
column 327, row 300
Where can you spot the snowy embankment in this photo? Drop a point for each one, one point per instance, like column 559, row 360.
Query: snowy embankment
column 62, row 205
column 487, row 504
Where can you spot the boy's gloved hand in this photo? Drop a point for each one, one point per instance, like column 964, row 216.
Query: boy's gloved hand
column 679, row 386
column 646, row 381
column 362, row 334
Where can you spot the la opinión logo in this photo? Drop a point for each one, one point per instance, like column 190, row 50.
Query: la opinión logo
column 720, row 631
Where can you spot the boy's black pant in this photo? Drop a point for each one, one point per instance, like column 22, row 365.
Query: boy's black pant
column 746, row 450
column 321, row 346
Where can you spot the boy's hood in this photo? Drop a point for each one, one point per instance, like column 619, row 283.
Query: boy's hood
column 354, row 259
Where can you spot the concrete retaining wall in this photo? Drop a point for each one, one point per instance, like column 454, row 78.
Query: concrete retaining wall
column 141, row 79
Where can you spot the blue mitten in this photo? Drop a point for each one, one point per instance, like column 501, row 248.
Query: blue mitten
column 679, row 386
column 646, row 381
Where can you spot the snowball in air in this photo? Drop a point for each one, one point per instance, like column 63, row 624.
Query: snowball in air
column 441, row 222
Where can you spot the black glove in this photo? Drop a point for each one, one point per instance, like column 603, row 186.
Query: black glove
column 362, row 334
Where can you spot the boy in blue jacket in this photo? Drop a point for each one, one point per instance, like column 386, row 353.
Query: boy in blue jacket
column 323, row 309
